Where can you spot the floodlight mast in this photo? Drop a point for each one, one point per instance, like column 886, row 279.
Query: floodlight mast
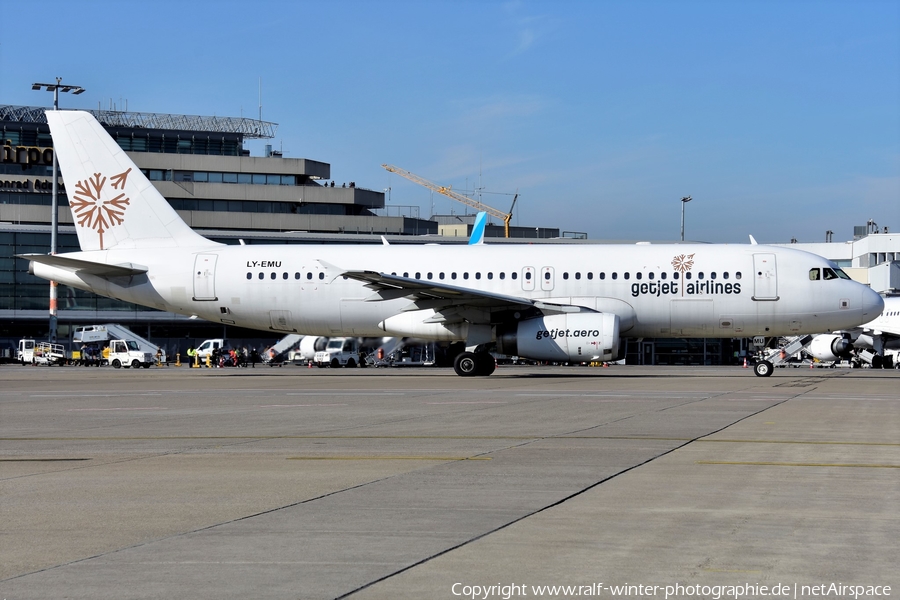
column 56, row 88
column 684, row 201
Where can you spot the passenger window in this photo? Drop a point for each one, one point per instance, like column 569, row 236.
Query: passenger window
column 478, row 275
column 490, row 275
column 737, row 275
column 418, row 275
column 577, row 275
column 662, row 275
column 725, row 275
column 638, row 275
column 528, row 276
column 441, row 275
column 249, row 275
column 261, row 275
column 814, row 275
column 615, row 275
column 428, row 276
column 309, row 275
column 452, row 275
column 547, row 275
column 466, row 275
column 712, row 275
column 627, row 275
column 590, row 275
column 700, row 275
column 284, row 275
column 602, row 275
column 687, row 275
column 272, row 276
column 296, row 275
column 406, row 274
column 321, row 275
column 502, row 275
column 675, row 275
column 650, row 276
column 514, row 275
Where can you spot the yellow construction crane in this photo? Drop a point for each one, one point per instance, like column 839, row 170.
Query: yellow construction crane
column 448, row 191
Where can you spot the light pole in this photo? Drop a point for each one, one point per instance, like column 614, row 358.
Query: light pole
column 684, row 201
column 56, row 88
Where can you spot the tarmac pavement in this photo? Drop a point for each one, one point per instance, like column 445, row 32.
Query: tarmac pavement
column 415, row 483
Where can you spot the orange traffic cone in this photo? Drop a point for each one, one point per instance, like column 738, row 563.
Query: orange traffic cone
column 745, row 362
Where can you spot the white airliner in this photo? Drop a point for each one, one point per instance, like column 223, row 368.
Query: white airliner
column 544, row 302
column 883, row 333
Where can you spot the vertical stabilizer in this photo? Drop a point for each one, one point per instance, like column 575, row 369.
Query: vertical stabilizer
column 113, row 204
column 477, row 236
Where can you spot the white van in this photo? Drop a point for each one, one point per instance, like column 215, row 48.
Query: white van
column 206, row 348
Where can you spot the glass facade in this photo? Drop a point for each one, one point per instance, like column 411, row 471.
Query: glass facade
column 20, row 290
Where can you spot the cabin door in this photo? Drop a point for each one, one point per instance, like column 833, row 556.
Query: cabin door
column 765, row 280
column 205, row 277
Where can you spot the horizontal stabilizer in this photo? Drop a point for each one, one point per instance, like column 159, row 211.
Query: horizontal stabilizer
column 86, row 266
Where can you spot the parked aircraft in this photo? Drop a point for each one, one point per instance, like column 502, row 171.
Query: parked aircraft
column 544, row 302
column 874, row 337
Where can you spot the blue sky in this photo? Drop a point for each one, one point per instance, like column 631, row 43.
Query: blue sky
column 780, row 119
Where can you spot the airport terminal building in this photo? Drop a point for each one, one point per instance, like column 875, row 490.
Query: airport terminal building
column 201, row 166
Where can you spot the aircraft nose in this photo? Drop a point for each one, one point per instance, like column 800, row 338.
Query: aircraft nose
column 872, row 304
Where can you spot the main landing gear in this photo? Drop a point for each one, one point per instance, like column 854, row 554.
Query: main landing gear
column 468, row 364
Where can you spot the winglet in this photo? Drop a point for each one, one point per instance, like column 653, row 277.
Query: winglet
column 384, row 241
column 478, row 229
column 753, row 241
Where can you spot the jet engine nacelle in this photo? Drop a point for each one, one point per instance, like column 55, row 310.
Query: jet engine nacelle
column 575, row 337
column 830, row 347
column 424, row 324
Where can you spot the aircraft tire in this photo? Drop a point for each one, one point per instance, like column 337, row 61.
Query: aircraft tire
column 763, row 368
column 466, row 364
column 486, row 363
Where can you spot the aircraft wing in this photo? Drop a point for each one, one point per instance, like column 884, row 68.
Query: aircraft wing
column 435, row 294
column 86, row 266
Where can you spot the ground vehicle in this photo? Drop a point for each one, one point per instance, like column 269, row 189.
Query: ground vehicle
column 339, row 352
column 207, row 347
column 41, row 353
column 100, row 336
column 126, row 353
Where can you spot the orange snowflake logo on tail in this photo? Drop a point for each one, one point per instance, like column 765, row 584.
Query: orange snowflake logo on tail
column 92, row 210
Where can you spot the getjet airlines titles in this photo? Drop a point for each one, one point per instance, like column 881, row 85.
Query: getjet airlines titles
column 560, row 302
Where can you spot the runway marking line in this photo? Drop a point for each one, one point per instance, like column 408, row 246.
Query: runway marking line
column 787, row 464
column 436, row 458
column 121, row 408
column 43, row 459
column 435, row 437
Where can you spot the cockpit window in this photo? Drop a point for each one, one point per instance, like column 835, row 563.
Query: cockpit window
column 841, row 274
column 828, row 273
column 814, row 275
